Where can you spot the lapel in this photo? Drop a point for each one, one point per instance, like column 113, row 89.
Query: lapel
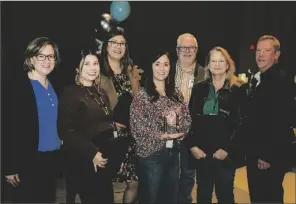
column 107, row 85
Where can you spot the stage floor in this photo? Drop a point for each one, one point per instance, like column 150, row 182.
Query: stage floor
column 240, row 190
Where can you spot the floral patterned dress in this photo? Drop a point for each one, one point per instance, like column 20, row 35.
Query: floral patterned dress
column 128, row 171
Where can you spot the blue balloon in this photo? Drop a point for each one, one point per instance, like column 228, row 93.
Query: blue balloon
column 120, row 10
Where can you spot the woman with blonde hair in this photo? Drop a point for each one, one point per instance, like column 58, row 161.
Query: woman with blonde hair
column 84, row 120
column 215, row 117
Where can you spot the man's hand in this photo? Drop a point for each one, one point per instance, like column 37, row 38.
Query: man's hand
column 14, row 180
column 263, row 165
column 220, row 154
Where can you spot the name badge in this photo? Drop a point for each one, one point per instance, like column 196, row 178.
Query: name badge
column 191, row 82
column 115, row 135
column 169, row 144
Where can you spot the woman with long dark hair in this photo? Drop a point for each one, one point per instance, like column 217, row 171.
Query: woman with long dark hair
column 120, row 79
column 158, row 119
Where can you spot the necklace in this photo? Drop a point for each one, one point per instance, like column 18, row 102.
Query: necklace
column 101, row 103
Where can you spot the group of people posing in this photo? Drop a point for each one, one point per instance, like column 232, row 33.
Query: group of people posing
column 184, row 121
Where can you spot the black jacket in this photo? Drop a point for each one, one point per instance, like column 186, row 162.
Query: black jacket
column 226, row 122
column 267, row 132
column 21, row 138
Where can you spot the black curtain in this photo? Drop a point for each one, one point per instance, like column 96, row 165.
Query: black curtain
column 232, row 25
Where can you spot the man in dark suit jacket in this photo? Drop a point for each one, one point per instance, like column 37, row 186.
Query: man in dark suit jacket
column 268, row 126
column 187, row 72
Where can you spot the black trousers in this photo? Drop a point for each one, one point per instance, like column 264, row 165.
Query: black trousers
column 265, row 186
column 38, row 183
column 210, row 172
column 92, row 187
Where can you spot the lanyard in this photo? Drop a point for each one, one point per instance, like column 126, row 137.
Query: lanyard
column 101, row 103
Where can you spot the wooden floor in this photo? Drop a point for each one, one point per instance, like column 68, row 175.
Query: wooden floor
column 240, row 191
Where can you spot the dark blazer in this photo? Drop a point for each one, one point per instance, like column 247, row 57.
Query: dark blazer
column 228, row 118
column 268, row 127
column 20, row 143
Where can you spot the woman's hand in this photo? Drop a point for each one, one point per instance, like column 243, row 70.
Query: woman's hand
column 14, row 180
column 166, row 136
column 99, row 161
column 136, row 72
column 197, row 153
column 220, row 154
column 120, row 126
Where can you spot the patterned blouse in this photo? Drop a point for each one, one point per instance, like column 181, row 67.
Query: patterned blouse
column 121, row 83
column 146, row 121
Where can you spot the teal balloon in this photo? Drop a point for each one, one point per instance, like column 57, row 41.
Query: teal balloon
column 120, row 10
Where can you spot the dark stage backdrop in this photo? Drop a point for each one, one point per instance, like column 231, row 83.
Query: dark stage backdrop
column 233, row 25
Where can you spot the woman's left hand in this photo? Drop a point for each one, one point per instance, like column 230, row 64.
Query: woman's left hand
column 120, row 126
column 220, row 154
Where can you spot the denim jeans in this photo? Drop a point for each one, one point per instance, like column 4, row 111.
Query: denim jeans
column 209, row 172
column 186, row 181
column 158, row 177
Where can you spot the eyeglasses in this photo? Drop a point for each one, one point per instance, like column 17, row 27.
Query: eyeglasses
column 41, row 57
column 184, row 49
column 115, row 44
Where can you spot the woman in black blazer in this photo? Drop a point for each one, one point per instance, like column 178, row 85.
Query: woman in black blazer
column 31, row 150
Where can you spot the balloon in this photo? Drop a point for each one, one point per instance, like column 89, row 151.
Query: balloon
column 107, row 22
column 120, row 10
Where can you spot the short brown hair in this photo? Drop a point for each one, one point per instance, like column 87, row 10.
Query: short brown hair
column 275, row 41
column 35, row 47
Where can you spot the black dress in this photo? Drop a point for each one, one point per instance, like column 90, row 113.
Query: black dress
column 121, row 115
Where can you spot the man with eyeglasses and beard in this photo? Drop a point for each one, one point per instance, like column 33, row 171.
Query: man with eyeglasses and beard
column 187, row 73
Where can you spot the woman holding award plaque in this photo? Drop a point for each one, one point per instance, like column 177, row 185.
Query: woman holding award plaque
column 158, row 120
column 215, row 111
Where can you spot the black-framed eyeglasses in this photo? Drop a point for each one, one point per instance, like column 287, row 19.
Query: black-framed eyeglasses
column 41, row 57
column 116, row 44
column 184, row 48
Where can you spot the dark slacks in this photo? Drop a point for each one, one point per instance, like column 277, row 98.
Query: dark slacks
column 38, row 182
column 92, row 187
column 209, row 172
column 158, row 177
column 265, row 186
column 187, row 176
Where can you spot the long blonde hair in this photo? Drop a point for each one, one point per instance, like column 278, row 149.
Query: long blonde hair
column 230, row 64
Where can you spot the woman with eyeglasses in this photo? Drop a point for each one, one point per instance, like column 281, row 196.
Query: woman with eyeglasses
column 31, row 150
column 121, row 79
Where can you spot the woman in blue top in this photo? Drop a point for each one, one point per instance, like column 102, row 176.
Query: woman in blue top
column 31, row 150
